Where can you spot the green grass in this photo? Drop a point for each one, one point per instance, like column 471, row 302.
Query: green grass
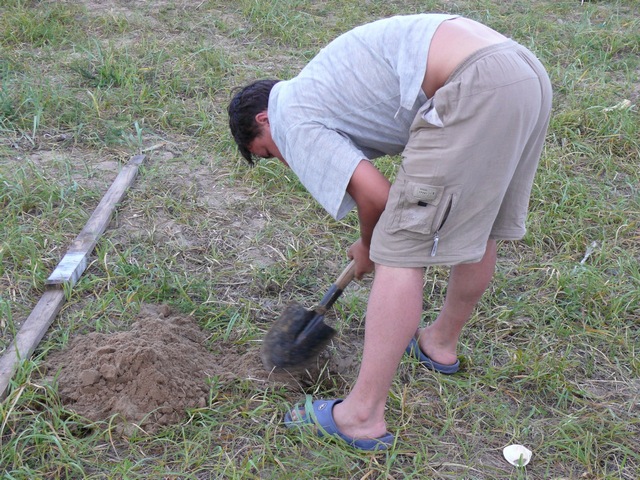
column 550, row 357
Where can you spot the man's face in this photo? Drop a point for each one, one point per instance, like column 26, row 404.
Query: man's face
column 263, row 145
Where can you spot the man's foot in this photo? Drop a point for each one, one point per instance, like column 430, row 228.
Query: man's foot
column 414, row 350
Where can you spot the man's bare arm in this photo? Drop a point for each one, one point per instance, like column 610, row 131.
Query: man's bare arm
column 370, row 190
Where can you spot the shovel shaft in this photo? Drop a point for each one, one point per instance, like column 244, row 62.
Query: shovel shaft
column 336, row 289
column 347, row 275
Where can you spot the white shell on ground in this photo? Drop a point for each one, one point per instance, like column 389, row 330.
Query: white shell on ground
column 517, row 455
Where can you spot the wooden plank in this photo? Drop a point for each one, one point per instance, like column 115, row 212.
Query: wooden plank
column 67, row 273
column 29, row 336
column 74, row 262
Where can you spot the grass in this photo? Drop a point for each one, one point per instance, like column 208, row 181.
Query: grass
column 550, row 357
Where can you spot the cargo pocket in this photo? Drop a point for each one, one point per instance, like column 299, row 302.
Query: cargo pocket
column 421, row 208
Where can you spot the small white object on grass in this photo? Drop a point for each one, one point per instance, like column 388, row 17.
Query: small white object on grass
column 623, row 105
column 517, row 455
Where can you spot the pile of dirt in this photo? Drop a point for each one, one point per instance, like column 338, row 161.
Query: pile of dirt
column 148, row 375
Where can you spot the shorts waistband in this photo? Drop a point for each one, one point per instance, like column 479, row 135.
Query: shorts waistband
column 483, row 52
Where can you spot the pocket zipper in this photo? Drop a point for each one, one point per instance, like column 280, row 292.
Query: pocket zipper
column 436, row 235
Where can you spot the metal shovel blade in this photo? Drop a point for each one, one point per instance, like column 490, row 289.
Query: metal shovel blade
column 296, row 337
column 299, row 335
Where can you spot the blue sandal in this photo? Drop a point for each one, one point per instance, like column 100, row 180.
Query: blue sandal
column 414, row 350
column 320, row 414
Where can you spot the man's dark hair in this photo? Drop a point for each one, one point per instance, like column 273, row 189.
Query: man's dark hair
column 243, row 108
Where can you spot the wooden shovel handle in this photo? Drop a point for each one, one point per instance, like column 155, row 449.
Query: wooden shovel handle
column 347, row 275
column 336, row 288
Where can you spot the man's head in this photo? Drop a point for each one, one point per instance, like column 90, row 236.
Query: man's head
column 248, row 102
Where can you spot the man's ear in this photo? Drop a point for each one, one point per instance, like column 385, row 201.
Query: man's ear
column 262, row 118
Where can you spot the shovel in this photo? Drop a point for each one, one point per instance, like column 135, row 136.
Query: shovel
column 299, row 335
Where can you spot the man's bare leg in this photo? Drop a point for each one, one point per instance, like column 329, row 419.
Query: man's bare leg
column 393, row 315
column 467, row 283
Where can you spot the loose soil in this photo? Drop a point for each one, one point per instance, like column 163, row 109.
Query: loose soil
column 147, row 377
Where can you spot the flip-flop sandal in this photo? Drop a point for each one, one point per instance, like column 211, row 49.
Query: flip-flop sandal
column 414, row 350
column 320, row 414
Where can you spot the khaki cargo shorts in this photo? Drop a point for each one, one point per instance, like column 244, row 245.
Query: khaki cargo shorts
column 469, row 165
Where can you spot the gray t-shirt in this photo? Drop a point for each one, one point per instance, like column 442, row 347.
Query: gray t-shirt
column 355, row 100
